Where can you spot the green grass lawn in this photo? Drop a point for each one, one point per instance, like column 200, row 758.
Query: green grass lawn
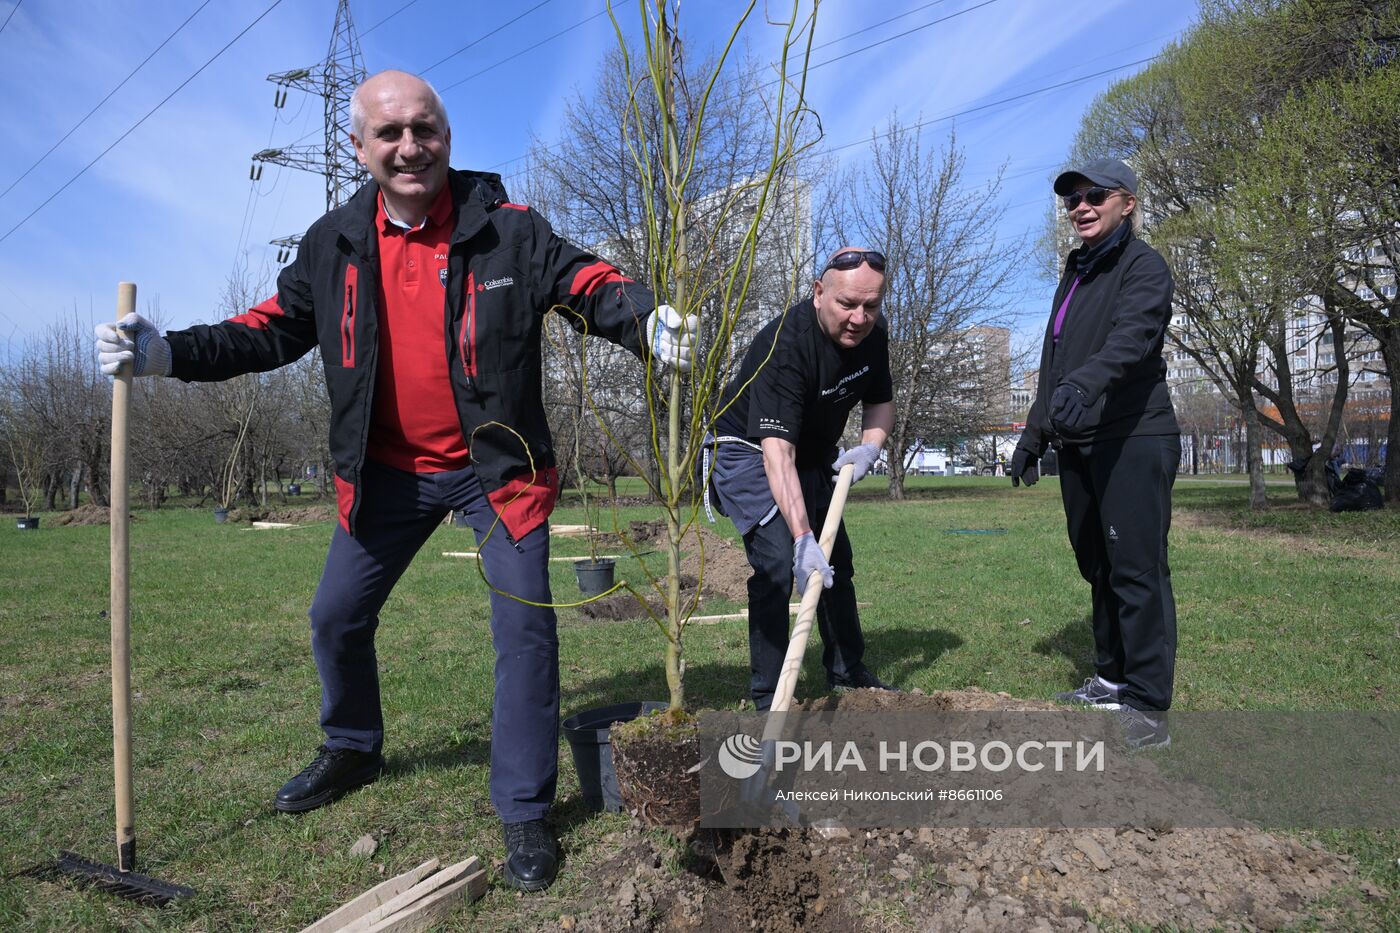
column 1289, row 609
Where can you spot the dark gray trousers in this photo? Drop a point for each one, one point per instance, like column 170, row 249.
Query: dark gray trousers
column 398, row 512
column 1117, row 497
column 770, row 550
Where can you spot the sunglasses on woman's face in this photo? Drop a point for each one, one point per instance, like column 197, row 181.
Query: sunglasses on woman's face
column 852, row 258
column 1095, row 196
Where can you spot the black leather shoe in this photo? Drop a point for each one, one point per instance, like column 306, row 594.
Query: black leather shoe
column 532, row 855
column 333, row 772
column 862, row 678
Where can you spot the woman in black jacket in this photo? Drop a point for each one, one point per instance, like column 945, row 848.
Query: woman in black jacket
column 1102, row 402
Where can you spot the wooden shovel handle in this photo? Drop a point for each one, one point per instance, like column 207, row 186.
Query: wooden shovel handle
column 121, row 608
column 811, row 595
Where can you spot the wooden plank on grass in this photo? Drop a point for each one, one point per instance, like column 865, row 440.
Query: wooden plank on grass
column 571, row 531
column 374, row 897
column 422, row 889
column 710, row 620
column 434, row 908
column 267, row 525
column 744, row 614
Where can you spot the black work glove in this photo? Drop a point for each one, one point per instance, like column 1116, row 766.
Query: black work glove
column 1069, row 408
column 1025, row 467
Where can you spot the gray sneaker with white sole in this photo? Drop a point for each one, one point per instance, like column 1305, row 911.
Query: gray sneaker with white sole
column 1093, row 692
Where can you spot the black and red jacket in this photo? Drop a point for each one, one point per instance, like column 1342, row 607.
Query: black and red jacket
column 506, row 269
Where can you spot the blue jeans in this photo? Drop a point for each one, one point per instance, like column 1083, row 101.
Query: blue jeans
column 398, row 513
column 770, row 550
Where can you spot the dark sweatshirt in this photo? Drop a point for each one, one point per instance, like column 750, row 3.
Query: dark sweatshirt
column 1110, row 346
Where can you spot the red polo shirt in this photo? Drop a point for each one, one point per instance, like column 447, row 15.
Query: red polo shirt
column 415, row 425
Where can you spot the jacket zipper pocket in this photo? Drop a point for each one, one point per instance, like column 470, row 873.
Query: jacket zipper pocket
column 347, row 319
column 467, row 341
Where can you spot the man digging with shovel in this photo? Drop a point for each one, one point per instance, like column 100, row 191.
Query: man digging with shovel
column 425, row 294
column 771, row 457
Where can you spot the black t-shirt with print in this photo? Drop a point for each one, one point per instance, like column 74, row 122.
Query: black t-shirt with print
column 804, row 392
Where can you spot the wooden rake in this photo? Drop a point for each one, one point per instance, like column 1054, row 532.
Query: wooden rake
column 121, row 879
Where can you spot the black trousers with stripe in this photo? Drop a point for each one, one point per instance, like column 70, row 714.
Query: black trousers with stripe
column 1117, row 497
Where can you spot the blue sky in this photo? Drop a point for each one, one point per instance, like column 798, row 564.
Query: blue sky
column 171, row 206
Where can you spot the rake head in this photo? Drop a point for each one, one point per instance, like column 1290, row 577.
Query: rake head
column 128, row 884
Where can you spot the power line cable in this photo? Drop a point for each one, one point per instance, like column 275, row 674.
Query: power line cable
column 916, row 126
column 488, row 35
column 885, row 22
column 489, row 67
column 824, row 45
column 254, row 182
column 387, row 18
column 508, row 58
column 103, row 100
column 1004, row 100
column 149, row 113
column 11, row 16
column 899, row 35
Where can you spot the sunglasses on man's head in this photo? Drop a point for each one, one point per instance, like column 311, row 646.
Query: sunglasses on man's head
column 1095, row 196
column 852, row 258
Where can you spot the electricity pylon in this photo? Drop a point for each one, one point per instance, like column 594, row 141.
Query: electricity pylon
column 335, row 81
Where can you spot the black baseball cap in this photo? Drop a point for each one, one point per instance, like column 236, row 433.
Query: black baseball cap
column 1107, row 173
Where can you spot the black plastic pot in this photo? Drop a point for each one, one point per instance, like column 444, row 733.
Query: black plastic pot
column 294, row 489
column 220, row 514
column 595, row 576
column 27, row 523
column 588, row 735
column 460, row 520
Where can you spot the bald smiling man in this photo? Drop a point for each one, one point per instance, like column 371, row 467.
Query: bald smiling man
column 773, row 453
column 425, row 294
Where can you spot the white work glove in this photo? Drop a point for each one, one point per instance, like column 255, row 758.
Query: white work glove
column 807, row 556
column 862, row 457
column 132, row 340
column 669, row 336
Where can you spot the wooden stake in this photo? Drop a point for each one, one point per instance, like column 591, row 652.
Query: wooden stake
column 414, row 894
column 432, row 909
column 374, row 897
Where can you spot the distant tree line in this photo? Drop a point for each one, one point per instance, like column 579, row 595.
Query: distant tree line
column 220, row 443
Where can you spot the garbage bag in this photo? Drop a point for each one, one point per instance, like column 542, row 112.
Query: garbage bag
column 1358, row 493
column 1334, row 478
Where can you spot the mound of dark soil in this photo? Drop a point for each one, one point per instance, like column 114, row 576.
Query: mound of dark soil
column 623, row 606
column 965, row 879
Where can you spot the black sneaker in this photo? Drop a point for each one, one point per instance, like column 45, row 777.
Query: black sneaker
column 532, row 855
column 1143, row 730
column 1093, row 692
column 333, row 772
column 862, row 678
